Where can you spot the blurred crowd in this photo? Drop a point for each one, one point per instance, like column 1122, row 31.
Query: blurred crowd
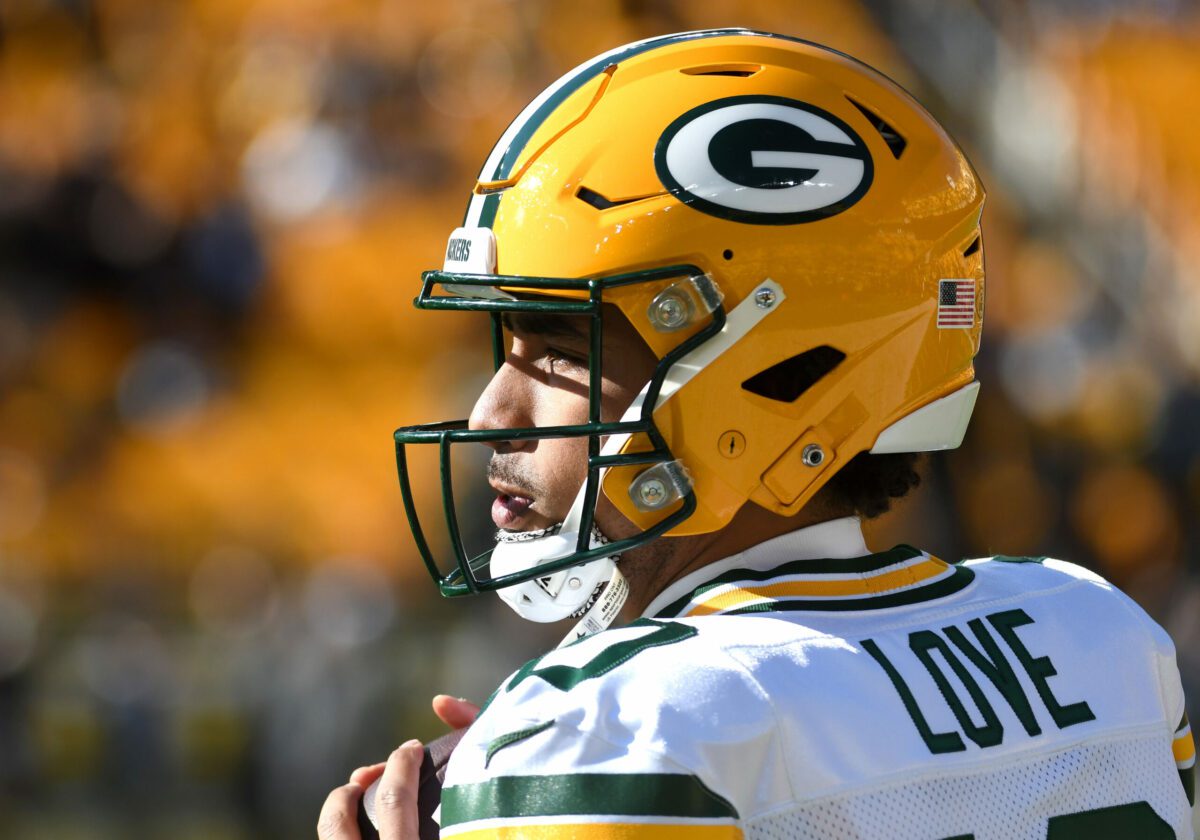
column 213, row 215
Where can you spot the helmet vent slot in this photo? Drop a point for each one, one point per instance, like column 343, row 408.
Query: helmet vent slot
column 973, row 248
column 743, row 71
column 600, row 202
column 787, row 380
column 894, row 141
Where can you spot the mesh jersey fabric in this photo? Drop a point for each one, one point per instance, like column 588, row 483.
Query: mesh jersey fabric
column 1010, row 802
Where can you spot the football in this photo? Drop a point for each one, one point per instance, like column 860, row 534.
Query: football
column 429, row 790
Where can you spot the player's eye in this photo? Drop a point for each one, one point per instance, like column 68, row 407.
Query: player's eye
column 563, row 356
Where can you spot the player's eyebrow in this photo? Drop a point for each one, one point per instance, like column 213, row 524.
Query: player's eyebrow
column 538, row 323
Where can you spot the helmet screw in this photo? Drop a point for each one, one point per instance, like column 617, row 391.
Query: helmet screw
column 652, row 492
column 764, row 298
column 670, row 313
column 813, row 455
column 574, row 583
column 731, row 444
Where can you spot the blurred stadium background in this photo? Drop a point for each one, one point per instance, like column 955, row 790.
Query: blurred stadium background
column 212, row 218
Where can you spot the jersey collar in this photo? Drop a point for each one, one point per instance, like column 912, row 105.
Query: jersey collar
column 824, row 567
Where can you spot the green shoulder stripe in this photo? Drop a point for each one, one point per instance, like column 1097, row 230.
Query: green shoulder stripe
column 595, row 794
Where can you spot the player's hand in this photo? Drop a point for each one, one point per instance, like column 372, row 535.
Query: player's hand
column 396, row 796
column 395, row 799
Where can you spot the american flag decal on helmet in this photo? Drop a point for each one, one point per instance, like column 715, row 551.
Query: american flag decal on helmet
column 956, row 304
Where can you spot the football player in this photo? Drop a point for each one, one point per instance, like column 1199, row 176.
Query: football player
column 736, row 282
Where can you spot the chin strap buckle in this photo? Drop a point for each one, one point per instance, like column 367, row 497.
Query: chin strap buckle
column 601, row 610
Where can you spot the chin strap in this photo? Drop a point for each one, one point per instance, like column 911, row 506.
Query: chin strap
column 595, row 613
column 601, row 609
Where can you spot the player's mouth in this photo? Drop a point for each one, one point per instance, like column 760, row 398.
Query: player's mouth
column 508, row 510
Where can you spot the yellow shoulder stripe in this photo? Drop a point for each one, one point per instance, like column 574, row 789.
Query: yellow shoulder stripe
column 858, row 585
column 1184, row 748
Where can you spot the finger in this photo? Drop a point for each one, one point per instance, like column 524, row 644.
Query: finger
column 455, row 712
column 338, row 819
column 365, row 775
column 396, row 796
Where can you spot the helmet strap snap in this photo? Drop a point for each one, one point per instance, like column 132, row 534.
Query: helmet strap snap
column 601, row 609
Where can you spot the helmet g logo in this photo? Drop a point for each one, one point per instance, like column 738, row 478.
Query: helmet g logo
column 764, row 160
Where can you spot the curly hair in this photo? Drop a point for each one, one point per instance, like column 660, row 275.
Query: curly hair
column 868, row 483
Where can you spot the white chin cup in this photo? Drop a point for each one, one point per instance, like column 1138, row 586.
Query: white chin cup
column 555, row 596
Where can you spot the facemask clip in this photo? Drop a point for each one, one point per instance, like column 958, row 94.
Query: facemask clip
column 660, row 486
column 683, row 303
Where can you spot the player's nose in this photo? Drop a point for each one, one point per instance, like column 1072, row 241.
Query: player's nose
column 504, row 404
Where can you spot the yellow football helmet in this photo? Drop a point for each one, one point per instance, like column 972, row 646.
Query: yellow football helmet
column 759, row 207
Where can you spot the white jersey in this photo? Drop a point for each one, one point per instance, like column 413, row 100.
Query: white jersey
column 784, row 695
